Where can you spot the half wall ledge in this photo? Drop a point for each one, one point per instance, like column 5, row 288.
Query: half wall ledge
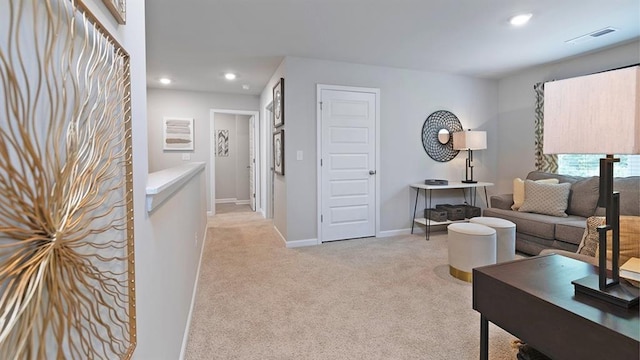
column 164, row 183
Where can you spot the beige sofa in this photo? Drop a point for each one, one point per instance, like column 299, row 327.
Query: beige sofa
column 535, row 232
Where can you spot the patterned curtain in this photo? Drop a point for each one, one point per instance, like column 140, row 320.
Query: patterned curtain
column 546, row 163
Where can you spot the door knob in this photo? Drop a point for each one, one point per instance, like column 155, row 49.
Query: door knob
column 372, row 172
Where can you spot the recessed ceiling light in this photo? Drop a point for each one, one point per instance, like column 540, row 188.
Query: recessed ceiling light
column 230, row 76
column 246, row 87
column 520, row 20
column 165, row 81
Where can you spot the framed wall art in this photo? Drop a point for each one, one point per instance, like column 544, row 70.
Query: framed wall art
column 178, row 134
column 278, row 152
column 118, row 9
column 222, row 143
column 278, row 104
column 66, row 186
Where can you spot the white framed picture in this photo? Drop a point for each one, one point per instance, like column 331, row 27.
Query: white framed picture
column 278, row 104
column 278, row 152
column 222, row 140
column 178, row 134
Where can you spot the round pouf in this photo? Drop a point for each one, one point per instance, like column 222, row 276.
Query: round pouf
column 505, row 236
column 470, row 246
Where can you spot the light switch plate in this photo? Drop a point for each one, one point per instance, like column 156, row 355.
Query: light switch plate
column 299, row 155
column 186, row 157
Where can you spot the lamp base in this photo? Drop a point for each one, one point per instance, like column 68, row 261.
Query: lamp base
column 469, row 181
column 621, row 294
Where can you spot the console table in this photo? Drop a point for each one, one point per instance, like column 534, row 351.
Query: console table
column 534, row 300
column 453, row 185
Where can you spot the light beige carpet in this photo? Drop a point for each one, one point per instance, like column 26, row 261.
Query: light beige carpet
column 387, row 298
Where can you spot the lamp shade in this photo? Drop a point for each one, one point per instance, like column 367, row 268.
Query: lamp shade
column 593, row 114
column 470, row 140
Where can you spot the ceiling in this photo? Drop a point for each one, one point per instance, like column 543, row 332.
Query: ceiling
column 194, row 42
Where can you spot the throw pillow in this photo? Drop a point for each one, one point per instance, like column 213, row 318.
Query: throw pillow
column 590, row 239
column 547, row 199
column 629, row 239
column 519, row 194
column 584, row 197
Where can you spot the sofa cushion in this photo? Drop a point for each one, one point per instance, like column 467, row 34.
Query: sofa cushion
column 571, row 231
column 537, row 175
column 548, row 199
column 519, row 194
column 583, row 199
column 629, row 189
column 538, row 225
column 502, row 201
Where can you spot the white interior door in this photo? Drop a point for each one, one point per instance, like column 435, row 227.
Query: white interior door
column 348, row 175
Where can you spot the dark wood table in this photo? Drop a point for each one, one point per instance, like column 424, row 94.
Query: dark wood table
column 534, row 300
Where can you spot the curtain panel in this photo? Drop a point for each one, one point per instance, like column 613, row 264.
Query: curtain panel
column 546, row 163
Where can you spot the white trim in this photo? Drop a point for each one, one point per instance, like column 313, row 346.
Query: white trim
column 185, row 337
column 301, row 243
column 257, row 140
column 226, row 201
column 376, row 92
column 209, row 213
column 397, row 232
column 243, row 202
column 162, row 184
column 280, row 234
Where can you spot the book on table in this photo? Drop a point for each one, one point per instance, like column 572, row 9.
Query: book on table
column 631, row 269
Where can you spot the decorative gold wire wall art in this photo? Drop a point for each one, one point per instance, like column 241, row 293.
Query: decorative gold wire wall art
column 67, row 287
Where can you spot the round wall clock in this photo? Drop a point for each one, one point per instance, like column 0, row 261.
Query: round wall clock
column 437, row 138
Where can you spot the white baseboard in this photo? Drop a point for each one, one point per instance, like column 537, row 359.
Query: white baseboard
column 301, row 243
column 185, row 337
column 388, row 233
column 226, row 201
column 209, row 213
column 243, row 202
column 280, row 234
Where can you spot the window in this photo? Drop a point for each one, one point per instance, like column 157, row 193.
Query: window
column 589, row 165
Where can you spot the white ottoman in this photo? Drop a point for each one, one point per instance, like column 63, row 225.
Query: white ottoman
column 505, row 236
column 470, row 246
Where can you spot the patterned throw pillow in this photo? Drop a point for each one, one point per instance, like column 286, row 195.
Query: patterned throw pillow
column 518, row 191
column 547, row 199
column 590, row 239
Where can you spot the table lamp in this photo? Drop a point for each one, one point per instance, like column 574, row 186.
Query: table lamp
column 469, row 140
column 598, row 114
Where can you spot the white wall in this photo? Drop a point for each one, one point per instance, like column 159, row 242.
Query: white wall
column 407, row 98
column 279, row 182
column 177, row 231
column 190, row 104
column 516, row 103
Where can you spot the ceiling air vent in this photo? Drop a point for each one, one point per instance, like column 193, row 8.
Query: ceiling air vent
column 592, row 35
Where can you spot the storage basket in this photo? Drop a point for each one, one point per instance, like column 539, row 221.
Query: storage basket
column 471, row 211
column 454, row 212
column 435, row 215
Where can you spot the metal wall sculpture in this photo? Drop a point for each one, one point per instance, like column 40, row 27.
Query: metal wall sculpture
column 66, row 205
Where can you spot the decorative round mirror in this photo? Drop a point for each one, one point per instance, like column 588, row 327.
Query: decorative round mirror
column 436, row 135
column 443, row 136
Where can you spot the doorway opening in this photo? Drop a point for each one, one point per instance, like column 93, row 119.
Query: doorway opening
column 235, row 160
